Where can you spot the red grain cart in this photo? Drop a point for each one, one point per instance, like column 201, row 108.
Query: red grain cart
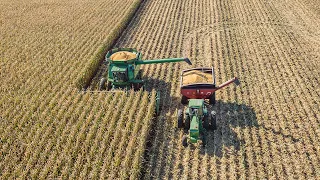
column 200, row 83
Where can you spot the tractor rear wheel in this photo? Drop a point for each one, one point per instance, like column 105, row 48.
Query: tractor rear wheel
column 180, row 119
column 204, row 140
column 102, row 84
column 212, row 99
column 184, row 100
column 184, row 141
column 205, row 122
column 213, row 121
column 187, row 122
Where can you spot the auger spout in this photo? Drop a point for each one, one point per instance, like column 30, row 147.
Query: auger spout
column 154, row 61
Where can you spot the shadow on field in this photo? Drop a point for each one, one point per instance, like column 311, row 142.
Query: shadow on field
column 229, row 116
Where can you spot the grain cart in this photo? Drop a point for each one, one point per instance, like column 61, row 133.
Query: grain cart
column 124, row 68
column 196, row 121
column 200, row 83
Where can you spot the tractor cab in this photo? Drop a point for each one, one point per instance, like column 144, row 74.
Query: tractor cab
column 196, row 107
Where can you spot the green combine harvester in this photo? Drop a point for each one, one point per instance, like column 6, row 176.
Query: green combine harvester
column 124, row 70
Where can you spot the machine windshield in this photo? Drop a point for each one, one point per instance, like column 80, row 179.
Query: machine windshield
column 120, row 76
column 196, row 110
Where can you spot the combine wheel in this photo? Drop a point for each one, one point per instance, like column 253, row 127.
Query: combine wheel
column 139, row 76
column 135, row 86
column 180, row 119
column 184, row 100
column 102, row 84
column 213, row 121
column 184, row 141
column 109, row 86
column 212, row 99
column 205, row 122
column 138, row 86
column 142, row 86
column 187, row 122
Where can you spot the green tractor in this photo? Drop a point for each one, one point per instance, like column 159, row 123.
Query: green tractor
column 124, row 69
column 197, row 121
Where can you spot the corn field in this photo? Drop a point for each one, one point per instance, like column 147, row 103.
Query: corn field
column 48, row 129
column 268, row 127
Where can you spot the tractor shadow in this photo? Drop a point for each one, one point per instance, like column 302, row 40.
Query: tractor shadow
column 230, row 116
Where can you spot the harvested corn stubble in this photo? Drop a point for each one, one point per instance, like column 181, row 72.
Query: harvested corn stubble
column 123, row 56
column 196, row 76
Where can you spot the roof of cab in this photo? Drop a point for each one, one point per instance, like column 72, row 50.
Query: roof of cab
column 195, row 102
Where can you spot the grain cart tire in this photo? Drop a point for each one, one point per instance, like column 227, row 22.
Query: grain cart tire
column 180, row 118
column 213, row 125
column 184, row 100
column 102, row 84
column 184, row 141
column 212, row 99
column 187, row 122
column 206, row 122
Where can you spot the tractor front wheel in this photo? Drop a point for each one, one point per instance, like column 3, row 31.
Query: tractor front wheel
column 213, row 121
column 184, row 100
column 180, row 119
column 184, row 141
column 212, row 99
column 187, row 122
column 102, row 84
